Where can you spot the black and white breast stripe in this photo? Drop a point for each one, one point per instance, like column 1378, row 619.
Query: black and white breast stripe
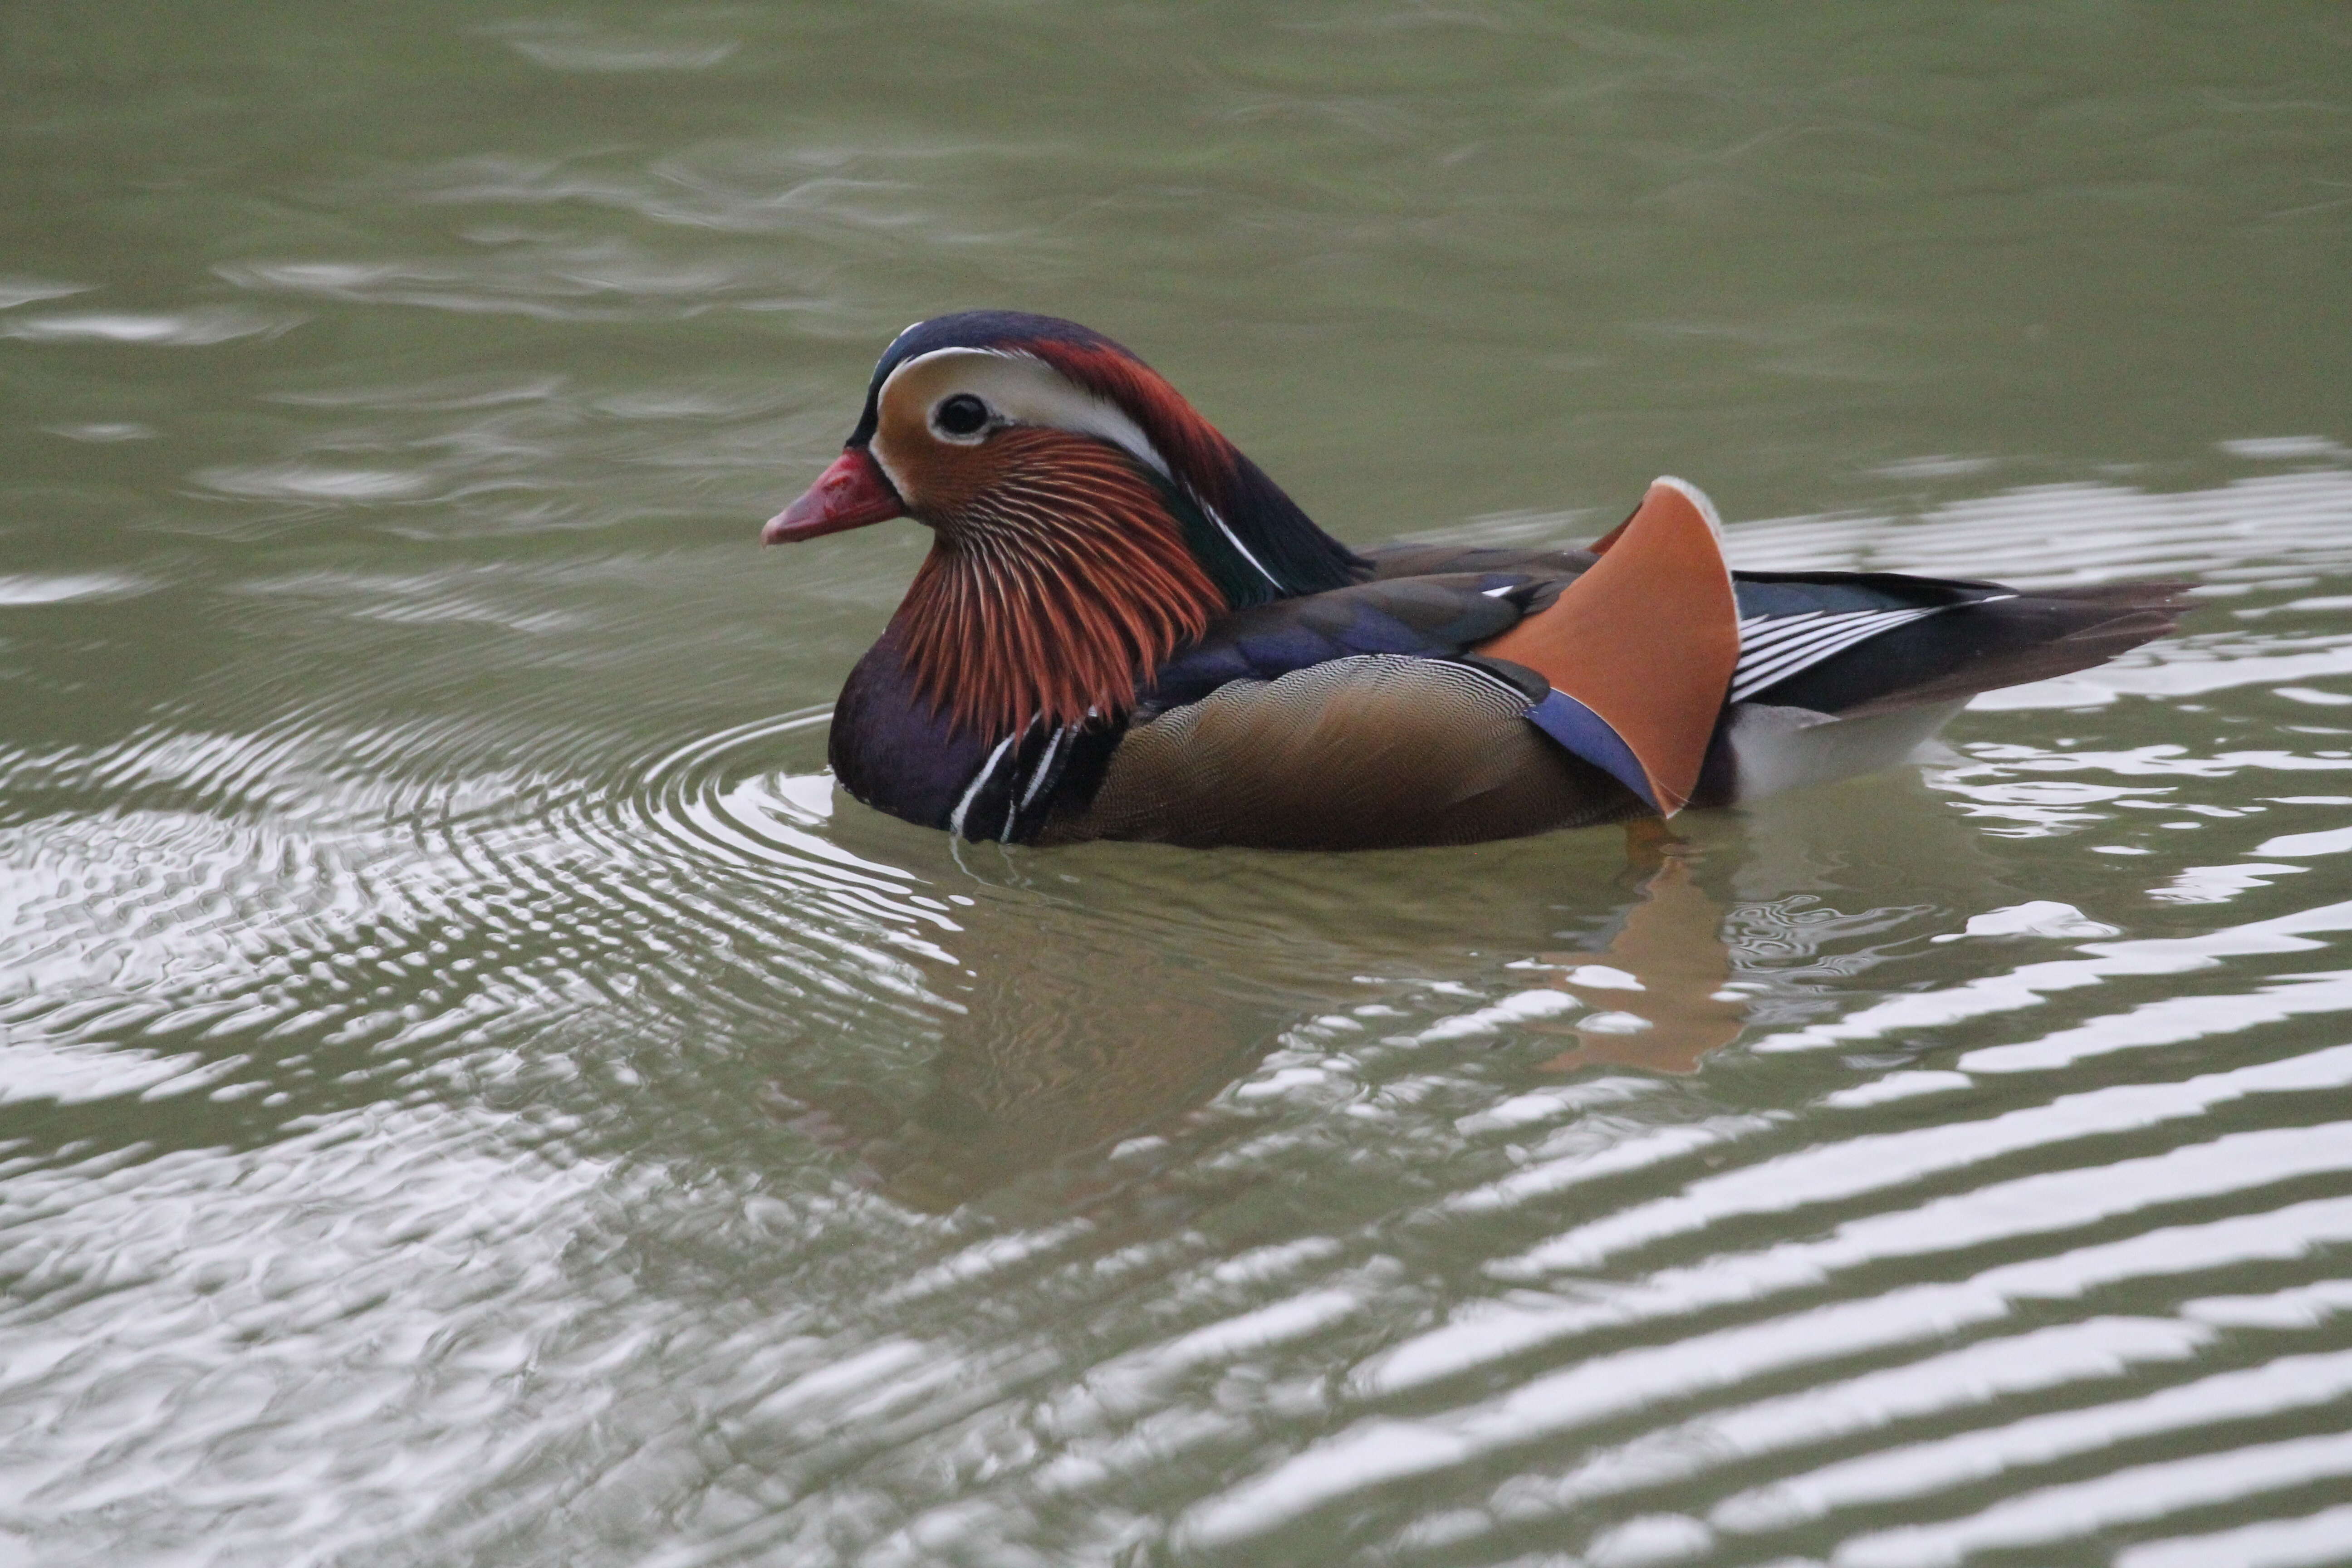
column 1014, row 784
column 1774, row 647
column 959, row 819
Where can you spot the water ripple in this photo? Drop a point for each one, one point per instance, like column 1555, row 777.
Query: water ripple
column 474, row 1091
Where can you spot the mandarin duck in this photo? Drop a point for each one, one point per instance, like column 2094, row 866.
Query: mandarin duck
column 1124, row 629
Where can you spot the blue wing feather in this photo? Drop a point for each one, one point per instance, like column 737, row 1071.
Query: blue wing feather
column 1433, row 617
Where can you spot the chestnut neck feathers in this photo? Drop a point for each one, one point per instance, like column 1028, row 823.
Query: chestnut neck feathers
column 1070, row 562
column 1055, row 585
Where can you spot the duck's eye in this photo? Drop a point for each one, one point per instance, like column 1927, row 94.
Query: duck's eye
column 962, row 415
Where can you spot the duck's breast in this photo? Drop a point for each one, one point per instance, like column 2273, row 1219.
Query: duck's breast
column 891, row 749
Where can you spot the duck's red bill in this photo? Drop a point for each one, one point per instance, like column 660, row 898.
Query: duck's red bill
column 850, row 494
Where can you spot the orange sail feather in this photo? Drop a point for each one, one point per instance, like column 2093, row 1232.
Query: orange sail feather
column 1646, row 639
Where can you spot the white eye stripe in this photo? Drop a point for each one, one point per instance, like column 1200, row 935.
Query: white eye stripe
column 1022, row 389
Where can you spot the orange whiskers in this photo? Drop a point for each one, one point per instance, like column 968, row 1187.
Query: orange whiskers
column 1053, row 590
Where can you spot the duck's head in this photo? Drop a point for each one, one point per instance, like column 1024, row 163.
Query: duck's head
column 1084, row 511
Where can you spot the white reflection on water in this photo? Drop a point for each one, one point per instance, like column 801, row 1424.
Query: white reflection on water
column 14, row 291
column 194, row 328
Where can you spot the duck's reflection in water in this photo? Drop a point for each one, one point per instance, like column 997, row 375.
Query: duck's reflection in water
column 1064, row 1041
column 1658, row 988
column 1070, row 1034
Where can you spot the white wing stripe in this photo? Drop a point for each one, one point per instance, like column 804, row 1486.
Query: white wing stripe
column 1792, row 654
column 1769, row 631
column 1789, row 661
column 1819, row 634
column 1780, row 646
column 1764, row 633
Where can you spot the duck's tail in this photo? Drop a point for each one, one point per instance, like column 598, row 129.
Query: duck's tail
column 1695, row 685
column 1869, row 705
column 1992, row 643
